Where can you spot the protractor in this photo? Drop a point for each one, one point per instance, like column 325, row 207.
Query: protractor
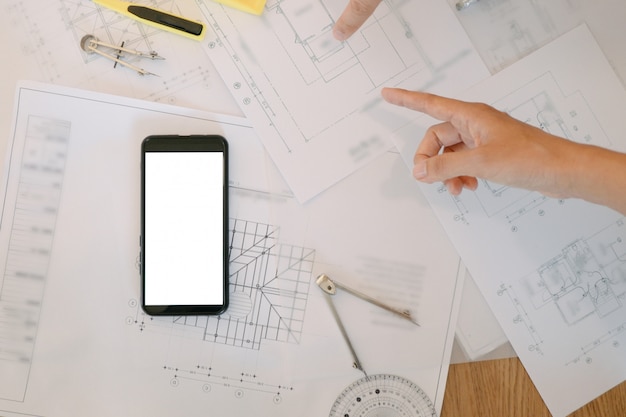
column 383, row 395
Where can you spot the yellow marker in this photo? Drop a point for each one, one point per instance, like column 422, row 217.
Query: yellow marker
column 157, row 18
column 249, row 6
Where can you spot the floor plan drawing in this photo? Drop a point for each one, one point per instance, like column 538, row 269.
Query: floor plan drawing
column 579, row 283
column 585, row 281
column 303, row 31
column 303, row 89
column 551, row 269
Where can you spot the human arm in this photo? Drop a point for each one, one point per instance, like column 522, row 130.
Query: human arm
column 475, row 140
column 353, row 16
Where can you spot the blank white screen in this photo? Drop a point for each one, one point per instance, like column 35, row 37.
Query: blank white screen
column 183, row 228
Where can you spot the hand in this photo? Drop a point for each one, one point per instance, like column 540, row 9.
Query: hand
column 477, row 141
column 353, row 16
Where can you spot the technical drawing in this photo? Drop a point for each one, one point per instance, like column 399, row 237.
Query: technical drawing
column 521, row 317
column 269, row 288
column 302, row 88
column 304, row 31
column 609, row 338
column 205, row 378
column 587, row 279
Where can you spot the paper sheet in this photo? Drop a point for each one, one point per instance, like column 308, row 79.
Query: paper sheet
column 553, row 271
column 504, row 31
column 74, row 341
column 314, row 101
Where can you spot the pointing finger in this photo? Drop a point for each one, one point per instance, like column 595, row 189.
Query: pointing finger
column 440, row 108
column 354, row 15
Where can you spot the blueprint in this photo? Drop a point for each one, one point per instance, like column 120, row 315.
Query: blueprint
column 552, row 270
column 314, row 101
column 75, row 342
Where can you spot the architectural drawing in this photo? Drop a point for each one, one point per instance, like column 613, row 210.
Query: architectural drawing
column 521, row 318
column 303, row 89
column 269, row 288
column 304, row 33
column 587, row 279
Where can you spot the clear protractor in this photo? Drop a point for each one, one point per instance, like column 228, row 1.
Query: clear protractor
column 383, row 395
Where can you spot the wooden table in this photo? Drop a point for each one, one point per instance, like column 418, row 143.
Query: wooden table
column 502, row 388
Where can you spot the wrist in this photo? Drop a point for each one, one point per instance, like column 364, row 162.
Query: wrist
column 597, row 175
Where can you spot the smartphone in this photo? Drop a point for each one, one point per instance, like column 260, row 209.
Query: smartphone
column 184, row 225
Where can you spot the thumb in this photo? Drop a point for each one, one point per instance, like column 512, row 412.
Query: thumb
column 445, row 166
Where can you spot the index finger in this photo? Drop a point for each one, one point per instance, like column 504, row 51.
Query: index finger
column 353, row 16
column 440, row 108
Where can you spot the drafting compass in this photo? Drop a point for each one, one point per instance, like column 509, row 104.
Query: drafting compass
column 90, row 44
column 374, row 395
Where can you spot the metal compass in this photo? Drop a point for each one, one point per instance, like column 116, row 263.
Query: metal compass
column 91, row 45
column 380, row 395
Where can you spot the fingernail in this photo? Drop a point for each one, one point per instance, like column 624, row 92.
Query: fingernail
column 419, row 170
column 338, row 34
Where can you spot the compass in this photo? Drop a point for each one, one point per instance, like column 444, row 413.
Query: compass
column 379, row 395
column 383, row 395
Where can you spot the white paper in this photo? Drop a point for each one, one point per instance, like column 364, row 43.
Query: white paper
column 477, row 332
column 314, row 101
column 74, row 340
column 551, row 270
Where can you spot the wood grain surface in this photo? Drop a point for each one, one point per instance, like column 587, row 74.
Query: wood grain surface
column 502, row 388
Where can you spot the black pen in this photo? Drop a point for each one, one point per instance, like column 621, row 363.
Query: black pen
column 157, row 18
